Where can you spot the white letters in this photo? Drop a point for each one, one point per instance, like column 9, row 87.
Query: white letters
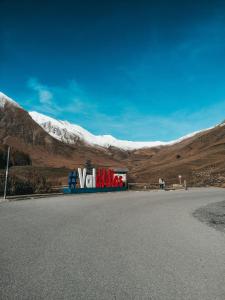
column 82, row 177
column 94, row 178
column 89, row 181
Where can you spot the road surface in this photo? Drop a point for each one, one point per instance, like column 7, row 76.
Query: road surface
column 127, row 245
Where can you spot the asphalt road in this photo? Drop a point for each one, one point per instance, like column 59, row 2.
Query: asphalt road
column 128, row 245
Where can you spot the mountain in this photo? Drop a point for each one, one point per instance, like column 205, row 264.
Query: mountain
column 54, row 147
column 71, row 133
column 22, row 133
column 6, row 100
column 199, row 159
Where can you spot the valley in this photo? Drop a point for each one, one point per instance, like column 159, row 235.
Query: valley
column 42, row 143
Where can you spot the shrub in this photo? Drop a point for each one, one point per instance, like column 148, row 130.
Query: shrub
column 18, row 186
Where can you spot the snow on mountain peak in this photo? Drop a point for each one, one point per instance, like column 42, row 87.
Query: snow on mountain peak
column 5, row 99
column 70, row 133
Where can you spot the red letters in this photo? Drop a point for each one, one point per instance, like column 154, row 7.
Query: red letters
column 107, row 178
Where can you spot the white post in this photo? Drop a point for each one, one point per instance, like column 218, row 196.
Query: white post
column 180, row 176
column 6, row 173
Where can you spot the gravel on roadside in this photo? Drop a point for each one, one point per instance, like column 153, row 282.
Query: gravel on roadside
column 212, row 214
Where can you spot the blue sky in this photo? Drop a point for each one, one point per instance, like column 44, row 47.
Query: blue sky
column 139, row 70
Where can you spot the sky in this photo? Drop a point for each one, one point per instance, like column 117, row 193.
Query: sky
column 138, row 70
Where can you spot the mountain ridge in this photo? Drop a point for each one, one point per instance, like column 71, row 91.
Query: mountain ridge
column 199, row 158
column 70, row 133
column 4, row 99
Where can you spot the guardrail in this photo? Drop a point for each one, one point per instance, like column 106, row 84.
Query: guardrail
column 29, row 196
column 154, row 186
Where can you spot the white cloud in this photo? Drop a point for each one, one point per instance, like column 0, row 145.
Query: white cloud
column 56, row 100
column 44, row 94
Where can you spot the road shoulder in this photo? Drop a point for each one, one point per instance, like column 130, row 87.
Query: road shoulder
column 212, row 214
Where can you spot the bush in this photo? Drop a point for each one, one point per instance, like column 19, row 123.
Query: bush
column 17, row 158
column 33, row 185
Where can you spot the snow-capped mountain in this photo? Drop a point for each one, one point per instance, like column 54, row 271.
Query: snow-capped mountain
column 31, row 144
column 70, row 133
column 198, row 157
column 5, row 99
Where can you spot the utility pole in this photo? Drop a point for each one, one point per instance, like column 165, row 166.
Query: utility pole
column 6, row 172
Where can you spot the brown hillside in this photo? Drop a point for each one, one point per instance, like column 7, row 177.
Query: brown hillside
column 199, row 159
column 18, row 130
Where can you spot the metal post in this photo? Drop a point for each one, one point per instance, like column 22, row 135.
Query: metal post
column 180, row 176
column 6, row 173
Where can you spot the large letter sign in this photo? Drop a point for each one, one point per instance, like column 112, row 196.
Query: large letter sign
column 103, row 178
